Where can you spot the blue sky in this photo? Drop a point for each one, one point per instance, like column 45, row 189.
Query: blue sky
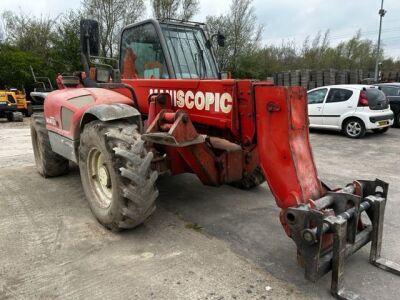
column 283, row 19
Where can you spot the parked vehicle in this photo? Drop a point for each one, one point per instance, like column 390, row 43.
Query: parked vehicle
column 353, row 109
column 23, row 105
column 8, row 108
column 171, row 110
column 392, row 92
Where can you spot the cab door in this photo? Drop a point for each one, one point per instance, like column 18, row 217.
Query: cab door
column 338, row 102
column 316, row 100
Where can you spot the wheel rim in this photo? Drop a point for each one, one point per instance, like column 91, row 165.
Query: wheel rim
column 353, row 128
column 99, row 177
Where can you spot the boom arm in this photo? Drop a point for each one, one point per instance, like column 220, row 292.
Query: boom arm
column 325, row 225
column 284, row 147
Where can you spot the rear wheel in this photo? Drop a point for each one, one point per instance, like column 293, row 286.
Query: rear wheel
column 17, row 116
column 381, row 130
column 48, row 163
column 250, row 181
column 354, row 128
column 397, row 120
column 9, row 116
column 116, row 174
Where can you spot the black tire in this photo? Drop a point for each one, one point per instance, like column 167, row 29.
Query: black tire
column 48, row 163
column 357, row 132
column 396, row 122
column 27, row 112
column 17, row 116
column 381, row 130
column 120, row 187
column 250, row 181
column 9, row 116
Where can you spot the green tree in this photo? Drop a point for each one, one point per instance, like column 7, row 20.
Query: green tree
column 66, row 43
column 243, row 37
column 112, row 16
column 174, row 9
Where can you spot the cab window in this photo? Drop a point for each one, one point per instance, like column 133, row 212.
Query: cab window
column 317, row 96
column 141, row 54
column 338, row 95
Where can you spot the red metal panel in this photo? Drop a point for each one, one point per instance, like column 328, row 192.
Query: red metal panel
column 208, row 102
column 283, row 143
column 58, row 99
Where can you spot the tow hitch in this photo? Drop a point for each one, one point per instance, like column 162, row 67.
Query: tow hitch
column 333, row 230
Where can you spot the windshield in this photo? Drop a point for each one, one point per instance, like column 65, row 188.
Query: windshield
column 190, row 57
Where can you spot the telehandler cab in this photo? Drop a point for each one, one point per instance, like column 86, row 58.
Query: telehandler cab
column 170, row 109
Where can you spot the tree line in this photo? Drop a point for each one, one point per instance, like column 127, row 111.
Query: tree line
column 51, row 44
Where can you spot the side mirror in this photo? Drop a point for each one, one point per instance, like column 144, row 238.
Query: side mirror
column 90, row 37
column 221, row 39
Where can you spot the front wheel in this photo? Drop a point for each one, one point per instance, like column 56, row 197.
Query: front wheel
column 397, row 120
column 380, row 130
column 354, row 128
column 116, row 174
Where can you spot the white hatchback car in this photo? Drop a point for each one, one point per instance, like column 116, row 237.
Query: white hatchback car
column 351, row 108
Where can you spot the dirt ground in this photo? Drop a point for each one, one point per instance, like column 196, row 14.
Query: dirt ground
column 52, row 247
column 202, row 242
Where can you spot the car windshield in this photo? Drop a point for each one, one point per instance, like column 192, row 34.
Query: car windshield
column 190, row 56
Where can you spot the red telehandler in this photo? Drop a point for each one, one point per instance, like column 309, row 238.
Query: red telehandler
column 167, row 108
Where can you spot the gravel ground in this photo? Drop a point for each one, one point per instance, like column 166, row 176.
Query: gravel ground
column 52, row 247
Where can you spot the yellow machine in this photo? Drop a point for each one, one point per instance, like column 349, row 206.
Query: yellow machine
column 9, row 108
column 15, row 96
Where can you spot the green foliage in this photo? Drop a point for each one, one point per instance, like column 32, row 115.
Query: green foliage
column 66, row 44
column 174, row 9
column 243, row 37
column 14, row 66
column 112, row 16
column 49, row 45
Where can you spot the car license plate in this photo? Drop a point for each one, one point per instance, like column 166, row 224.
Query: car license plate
column 3, row 103
column 383, row 123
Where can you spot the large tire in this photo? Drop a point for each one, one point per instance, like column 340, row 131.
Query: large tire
column 396, row 122
column 250, row 181
column 9, row 116
column 116, row 174
column 354, row 128
column 48, row 163
column 17, row 116
column 28, row 111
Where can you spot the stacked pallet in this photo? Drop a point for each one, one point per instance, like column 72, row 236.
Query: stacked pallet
column 319, row 78
column 330, row 77
column 280, row 79
column 305, row 78
column 295, row 78
column 360, row 75
column 353, row 77
column 341, row 77
column 286, row 78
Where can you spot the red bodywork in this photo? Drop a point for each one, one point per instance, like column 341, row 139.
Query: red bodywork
column 231, row 128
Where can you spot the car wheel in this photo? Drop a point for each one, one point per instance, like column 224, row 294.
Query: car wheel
column 397, row 120
column 381, row 130
column 354, row 128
